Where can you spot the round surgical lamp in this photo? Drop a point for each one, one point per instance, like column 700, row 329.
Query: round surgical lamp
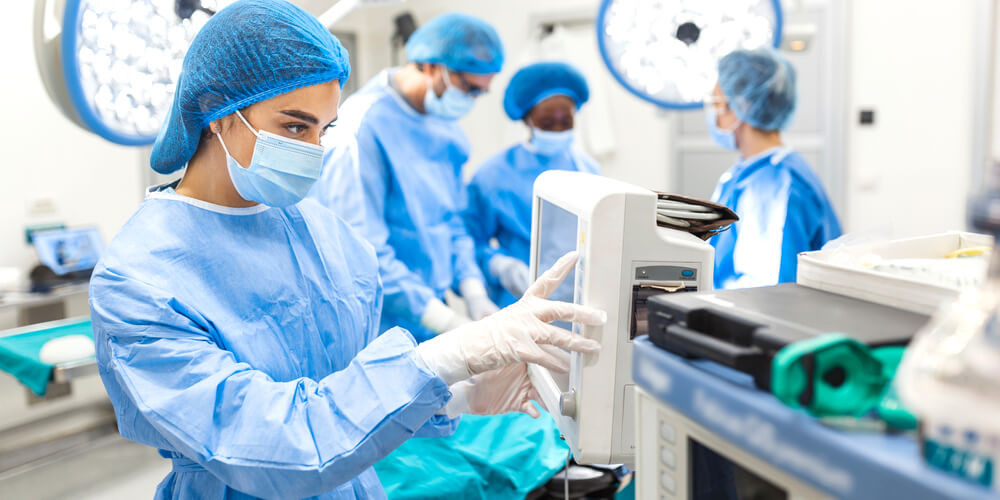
column 667, row 51
column 111, row 66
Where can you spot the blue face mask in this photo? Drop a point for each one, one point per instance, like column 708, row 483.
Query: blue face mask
column 724, row 138
column 452, row 105
column 281, row 170
column 548, row 143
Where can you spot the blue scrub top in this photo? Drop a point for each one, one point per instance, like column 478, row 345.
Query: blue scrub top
column 243, row 344
column 783, row 211
column 395, row 175
column 500, row 205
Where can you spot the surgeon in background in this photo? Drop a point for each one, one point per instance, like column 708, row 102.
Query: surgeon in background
column 782, row 205
column 394, row 172
column 236, row 326
column 546, row 97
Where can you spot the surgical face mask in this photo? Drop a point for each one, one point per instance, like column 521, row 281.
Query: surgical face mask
column 549, row 143
column 453, row 103
column 723, row 137
column 281, row 170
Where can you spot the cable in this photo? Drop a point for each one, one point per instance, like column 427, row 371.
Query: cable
column 672, row 221
column 566, row 472
column 680, row 205
column 684, row 214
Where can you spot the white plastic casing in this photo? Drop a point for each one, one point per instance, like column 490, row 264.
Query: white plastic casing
column 616, row 234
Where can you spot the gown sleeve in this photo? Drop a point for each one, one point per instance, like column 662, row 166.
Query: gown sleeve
column 264, row 437
column 481, row 221
column 463, row 246
column 354, row 185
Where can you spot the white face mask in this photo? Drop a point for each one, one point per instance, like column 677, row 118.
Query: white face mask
column 453, row 103
column 725, row 138
column 549, row 143
column 281, row 170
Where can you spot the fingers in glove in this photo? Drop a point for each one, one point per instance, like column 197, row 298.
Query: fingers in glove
column 552, row 310
column 533, row 353
column 553, row 277
column 558, row 337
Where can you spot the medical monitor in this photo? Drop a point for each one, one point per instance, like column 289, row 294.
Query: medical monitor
column 625, row 258
column 68, row 250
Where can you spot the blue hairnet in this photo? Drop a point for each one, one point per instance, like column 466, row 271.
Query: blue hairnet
column 248, row 52
column 460, row 42
column 760, row 87
column 534, row 83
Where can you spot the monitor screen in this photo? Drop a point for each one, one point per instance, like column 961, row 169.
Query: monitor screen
column 68, row 250
column 557, row 236
column 715, row 477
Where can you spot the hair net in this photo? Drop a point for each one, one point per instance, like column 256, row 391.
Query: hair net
column 760, row 87
column 460, row 42
column 248, row 52
column 534, row 83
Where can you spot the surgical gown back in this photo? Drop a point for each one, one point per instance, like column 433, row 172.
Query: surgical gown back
column 783, row 211
column 499, row 206
column 395, row 175
column 243, row 344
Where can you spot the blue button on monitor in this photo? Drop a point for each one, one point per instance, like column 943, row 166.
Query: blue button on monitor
column 687, row 273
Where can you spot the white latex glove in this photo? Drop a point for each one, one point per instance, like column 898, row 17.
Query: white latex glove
column 513, row 274
column 515, row 334
column 440, row 318
column 495, row 392
column 476, row 299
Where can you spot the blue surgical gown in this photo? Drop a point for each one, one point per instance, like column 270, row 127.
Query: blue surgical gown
column 395, row 175
column 499, row 205
column 783, row 211
column 243, row 344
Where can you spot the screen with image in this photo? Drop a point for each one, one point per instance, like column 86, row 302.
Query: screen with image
column 68, row 250
column 557, row 236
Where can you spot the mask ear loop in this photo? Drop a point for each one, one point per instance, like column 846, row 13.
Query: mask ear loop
column 245, row 122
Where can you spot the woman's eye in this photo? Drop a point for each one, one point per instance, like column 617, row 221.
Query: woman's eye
column 295, row 129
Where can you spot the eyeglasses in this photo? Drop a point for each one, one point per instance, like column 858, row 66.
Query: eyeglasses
column 467, row 86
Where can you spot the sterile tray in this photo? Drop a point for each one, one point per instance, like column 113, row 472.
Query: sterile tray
column 818, row 270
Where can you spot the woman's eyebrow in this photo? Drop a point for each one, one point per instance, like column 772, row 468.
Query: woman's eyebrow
column 301, row 115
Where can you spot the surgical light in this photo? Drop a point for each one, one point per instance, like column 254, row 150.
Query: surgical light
column 666, row 51
column 112, row 65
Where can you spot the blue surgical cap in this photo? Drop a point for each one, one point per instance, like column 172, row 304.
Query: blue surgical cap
column 248, row 52
column 537, row 82
column 458, row 41
column 760, row 87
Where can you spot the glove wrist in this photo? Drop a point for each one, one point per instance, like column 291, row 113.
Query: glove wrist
column 472, row 288
column 437, row 317
column 443, row 355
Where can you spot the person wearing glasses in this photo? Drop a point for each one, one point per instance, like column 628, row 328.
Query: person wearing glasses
column 394, row 172
column 782, row 205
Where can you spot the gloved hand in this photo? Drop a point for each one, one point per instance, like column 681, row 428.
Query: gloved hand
column 514, row 275
column 495, row 392
column 515, row 334
column 476, row 299
column 440, row 318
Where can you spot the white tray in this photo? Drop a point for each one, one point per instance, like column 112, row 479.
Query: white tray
column 816, row 270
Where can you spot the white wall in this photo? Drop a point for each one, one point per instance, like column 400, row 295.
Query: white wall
column 642, row 153
column 46, row 157
column 914, row 62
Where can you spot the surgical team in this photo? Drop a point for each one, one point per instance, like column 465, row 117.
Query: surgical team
column 276, row 321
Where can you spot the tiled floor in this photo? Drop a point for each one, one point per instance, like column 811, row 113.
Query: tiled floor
column 113, row 469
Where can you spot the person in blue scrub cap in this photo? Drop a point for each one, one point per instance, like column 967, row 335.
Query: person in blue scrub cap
column 394, row 172
column 237, row 327
column 545, row 96
column 782, row 205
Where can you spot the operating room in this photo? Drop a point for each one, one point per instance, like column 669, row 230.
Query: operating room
column 541, row 249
